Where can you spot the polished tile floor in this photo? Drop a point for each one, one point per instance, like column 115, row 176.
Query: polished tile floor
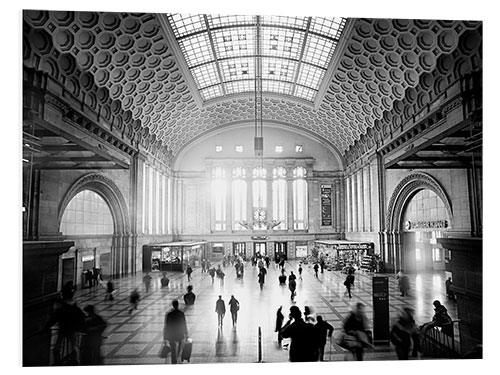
column 136, row 338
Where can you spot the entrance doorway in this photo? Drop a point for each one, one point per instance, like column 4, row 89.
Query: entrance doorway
column 259, row 248
column 239, row 249
column 280, row 250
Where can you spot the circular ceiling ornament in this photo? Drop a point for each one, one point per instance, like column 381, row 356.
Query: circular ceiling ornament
column 88, row 19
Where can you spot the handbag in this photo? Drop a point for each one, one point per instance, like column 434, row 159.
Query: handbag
column 165, row 349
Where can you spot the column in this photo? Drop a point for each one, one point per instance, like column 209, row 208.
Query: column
column 354, row 208
column 289, row 182
column 368, row 200
column 229, row 202
column 348, row 205
column 361, row 201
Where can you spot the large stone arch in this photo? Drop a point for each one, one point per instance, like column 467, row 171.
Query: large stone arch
column 123, row 245
column 393, row 236
column 403, row 193
column 110, row 192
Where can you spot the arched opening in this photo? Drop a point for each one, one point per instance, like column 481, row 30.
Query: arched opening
column 418, row 207
column 94, row 211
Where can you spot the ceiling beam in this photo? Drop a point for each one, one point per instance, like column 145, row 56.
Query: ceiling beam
column 68, row 159
column 85, row 139
column 65, row 147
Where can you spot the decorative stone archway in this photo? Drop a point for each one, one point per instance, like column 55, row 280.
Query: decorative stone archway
column 398, row 202
column 122, row 249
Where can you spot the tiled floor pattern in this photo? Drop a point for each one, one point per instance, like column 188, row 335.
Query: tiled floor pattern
column 136, row 338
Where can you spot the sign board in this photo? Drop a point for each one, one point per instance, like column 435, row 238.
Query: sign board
column 380, row 290
column 326, row 205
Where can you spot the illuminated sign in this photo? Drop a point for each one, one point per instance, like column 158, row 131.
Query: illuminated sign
column 87, row 258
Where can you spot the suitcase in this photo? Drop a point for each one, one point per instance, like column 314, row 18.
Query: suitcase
column 186, row 350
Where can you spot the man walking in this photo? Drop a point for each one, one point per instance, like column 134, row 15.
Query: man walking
column 220, row 309
column 175, row 330
column 234, row 306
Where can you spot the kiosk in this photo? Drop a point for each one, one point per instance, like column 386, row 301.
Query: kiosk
column 172, row 256
column 341, row 253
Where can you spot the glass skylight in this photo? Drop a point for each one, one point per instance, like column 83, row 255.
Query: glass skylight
column 220, row 52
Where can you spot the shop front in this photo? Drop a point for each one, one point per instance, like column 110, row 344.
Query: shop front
column 172, row 256
column 339, row 254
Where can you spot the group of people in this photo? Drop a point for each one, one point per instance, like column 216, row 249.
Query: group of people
column 308, row 335
column 72, row 321
column 92, row 277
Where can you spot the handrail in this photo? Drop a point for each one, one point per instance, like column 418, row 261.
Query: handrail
column 438, row 343
column 260, row 345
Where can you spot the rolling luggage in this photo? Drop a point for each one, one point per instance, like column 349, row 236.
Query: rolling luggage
column 186, row 351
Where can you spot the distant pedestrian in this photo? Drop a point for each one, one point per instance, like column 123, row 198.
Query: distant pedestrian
column 292, row 285
column 300, row 271
column 302, row 346
column 282, row 263
column 175, row 330
column 316, row 267
column 212, row 272
column 189, row 271
column 234, row 306
column 92, row 342
column 134, row 300
column 404, row 285
column 147, row 282
column 164, row 280
column 449, row 292
column 203, row 264
column 110, row 290
column 322, row 329
column 322, row 265
column 189, row 297
column 222, row 275
column 279, row 324
column 292, row 276
column 349, row 281
column 220, row 309
column 282, row 278
column 262, row 277
column 268, row 261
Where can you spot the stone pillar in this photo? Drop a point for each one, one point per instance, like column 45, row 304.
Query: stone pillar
column 289, row 182
column 348, row 205
column 354, row 203
column 361, row 200
column 229, row 204
column 467, row 277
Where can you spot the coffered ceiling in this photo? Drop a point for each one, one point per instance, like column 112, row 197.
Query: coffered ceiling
column 176, row 82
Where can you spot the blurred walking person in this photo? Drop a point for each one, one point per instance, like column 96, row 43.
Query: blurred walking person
column 279, row 324
column 175, row 330
column 94, row 328
column 322, row 329
column 220, row 309
column 234, row 306
column 147, row 281
column 404, row 334
column 134, row 300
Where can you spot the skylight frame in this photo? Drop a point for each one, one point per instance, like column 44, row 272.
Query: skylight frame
column 305, row 44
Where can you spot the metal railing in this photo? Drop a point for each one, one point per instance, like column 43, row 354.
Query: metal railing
column 439, row 342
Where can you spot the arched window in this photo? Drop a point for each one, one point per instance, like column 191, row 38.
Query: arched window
column 87, row 214
column 279, row 197
column 300, row 193
column 219, row 193
column 239, row 193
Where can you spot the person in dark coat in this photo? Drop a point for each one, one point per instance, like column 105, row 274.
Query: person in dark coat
column 316, row 267
column 440, row 319
column 349, row 281
column 404, row 334
column 279, row 324
column 292, row 285
column 164, row 280
column 234, row 306
column 322, row 330
column 134, row 300
column 189, row 297
column 147, row 281
column 404, row 284
column 300, row 271
column 220, row 309
column 94, row 328
column 212, row 272
column 356, row 326
column 189, row 271
column 110, row 289
column 175, row 330
column 262, row 277
column 282, row 278
column 302, row 348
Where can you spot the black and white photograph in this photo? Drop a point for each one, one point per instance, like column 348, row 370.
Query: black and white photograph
column 215, row 186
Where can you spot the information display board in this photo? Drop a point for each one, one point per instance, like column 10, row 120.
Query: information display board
column 381, row 329
column 326, row 205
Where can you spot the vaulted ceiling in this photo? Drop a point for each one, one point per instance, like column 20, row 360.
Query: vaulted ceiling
column 137, row 65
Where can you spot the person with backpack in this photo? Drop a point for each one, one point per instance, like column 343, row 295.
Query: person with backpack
column 234, row 306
